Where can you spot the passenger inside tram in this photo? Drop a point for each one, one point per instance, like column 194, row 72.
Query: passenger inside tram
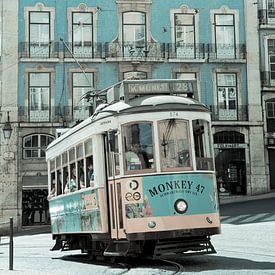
column 141, row 157
column 53, row 190
column 90, row 172
column 71, row 185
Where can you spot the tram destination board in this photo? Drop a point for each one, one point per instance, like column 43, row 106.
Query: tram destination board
column 132, row 88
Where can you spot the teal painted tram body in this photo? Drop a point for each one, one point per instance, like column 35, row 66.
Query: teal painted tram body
column 153, row 192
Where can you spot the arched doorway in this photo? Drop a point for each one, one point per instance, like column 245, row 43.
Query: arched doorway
column 230, row 162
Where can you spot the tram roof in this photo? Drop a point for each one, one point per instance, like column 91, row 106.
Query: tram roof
column 138, row 105
column 138, row 96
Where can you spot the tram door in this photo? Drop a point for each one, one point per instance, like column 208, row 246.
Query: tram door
column 114, row 187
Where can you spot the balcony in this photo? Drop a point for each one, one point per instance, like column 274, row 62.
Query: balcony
column 85, row 50
column 155, row 52
column 134, row 51
column 238, row 114
column 39, row 50
column 226, row 52
column 65, row 114
column 186, row 51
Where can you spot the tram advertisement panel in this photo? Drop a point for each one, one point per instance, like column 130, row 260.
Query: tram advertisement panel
column 157, row 196
column 77, row 212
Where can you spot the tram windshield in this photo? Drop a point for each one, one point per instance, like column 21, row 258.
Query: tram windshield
column 138, row 146
column 174, row 144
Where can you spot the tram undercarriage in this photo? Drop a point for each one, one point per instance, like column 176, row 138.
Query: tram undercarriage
column 152, row 246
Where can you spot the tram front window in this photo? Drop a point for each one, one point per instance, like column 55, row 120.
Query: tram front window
column 138, row 146
column 174, row 144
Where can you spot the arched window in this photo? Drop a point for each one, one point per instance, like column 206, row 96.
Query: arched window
column 34, row 146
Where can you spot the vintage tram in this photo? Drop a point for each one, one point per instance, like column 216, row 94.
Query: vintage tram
column 137, row 177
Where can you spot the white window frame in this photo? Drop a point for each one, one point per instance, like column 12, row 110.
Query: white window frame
column 38, row 148
column 40, row 114
column 39, row 7
column 185, row 50
column 82, row 8
column 224, row 10
column 81, row 110
column 270, row 20
column 227, row 113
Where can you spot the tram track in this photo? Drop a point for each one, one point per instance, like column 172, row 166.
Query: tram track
column 180, row 267
column 127, row 266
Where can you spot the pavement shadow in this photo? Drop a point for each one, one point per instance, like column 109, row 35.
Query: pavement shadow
column 248, row 212
column 214, row 263
column 190, row 264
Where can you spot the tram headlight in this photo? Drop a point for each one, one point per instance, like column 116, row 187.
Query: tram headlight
column 181, row 206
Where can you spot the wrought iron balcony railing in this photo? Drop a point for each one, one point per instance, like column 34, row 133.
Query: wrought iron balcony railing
column 186, row 51
column 239, row 113
column 132, row 51
column 39, row 50
column 135, row 51
column 65, row 114
column 226, row 51
column 83, row 50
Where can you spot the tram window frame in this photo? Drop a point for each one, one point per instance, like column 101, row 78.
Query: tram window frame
column 52, row 176
column 202, row 144
column 71, row 165
column 80, row 177
column 137, row 151
column 113, row 151
column 65, row 172
column 58, row 181
column 88, row 160
column 186, row 154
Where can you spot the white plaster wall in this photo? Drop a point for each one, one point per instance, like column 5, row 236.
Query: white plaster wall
column 8, row 74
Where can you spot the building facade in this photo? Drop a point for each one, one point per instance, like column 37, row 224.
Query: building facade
column 266, row 15
column 9, row 205
column 69, row 50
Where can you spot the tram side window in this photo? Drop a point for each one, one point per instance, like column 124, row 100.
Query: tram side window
column 89, row 171
column 174, row 144
column 80, row 174
column 203, row 149
column 58, row 182
column 71, row 184
column 113, row 158
column 52, row 192
column 138, row 146
column 65, row 178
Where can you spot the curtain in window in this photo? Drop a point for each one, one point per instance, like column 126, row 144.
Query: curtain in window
column 225, row 35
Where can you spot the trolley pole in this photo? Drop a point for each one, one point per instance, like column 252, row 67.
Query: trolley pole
column 11, row 245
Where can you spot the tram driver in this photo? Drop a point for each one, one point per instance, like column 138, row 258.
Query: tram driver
column 140, row 157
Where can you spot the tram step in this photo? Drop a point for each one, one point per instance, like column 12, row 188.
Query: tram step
column 117, row 249
column 185, row 247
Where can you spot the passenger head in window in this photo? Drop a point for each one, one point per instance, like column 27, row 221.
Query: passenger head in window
column 81, row 178
column 90, row 173
column 71, row 183
column 53, row 190
column 141, row 154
